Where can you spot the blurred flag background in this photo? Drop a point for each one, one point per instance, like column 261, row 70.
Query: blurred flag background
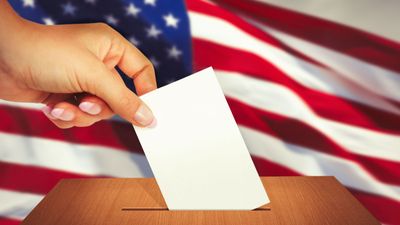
column 314, row 87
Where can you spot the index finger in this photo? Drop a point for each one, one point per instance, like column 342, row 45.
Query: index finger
column 138, row 67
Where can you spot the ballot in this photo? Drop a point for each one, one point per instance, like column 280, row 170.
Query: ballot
column 195, row 150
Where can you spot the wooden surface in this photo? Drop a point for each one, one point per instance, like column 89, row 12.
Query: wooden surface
column 294, row 200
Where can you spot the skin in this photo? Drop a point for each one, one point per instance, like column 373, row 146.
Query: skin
column 71, row 70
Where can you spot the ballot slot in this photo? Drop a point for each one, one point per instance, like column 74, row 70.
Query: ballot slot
column 144, row 208
column 138, row 208
column 166, row 209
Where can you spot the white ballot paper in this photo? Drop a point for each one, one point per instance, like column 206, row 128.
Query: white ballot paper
column 196, row 152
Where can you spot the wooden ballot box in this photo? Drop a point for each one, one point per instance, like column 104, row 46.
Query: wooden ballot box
column 294, row 200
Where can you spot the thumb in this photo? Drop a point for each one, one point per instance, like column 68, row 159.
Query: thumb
column 109, row 86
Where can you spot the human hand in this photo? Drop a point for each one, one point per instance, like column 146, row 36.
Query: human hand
column 71, row 69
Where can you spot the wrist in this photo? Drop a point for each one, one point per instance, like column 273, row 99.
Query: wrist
column 10, row 21
column 14, row 31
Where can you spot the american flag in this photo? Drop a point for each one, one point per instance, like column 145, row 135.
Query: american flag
column 312, row 94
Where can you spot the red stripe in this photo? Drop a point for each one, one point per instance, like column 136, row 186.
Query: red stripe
column 39, row 180
column 34, row 124
column 347, row 40
column 268, row 168
column 384, row 209
column 32, row 179
column 118, row 135
column 29, row 122
column 299, row 133
column 262, row 165
column 286, row 128
column 265, row 168
column 325, row 105
column 208, row 9
column 7, row 221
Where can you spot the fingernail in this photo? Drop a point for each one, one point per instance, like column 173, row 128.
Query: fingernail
column 62, row 114
column 153, row 123
column 46, row 110
column 90, row 108
column 144, row 116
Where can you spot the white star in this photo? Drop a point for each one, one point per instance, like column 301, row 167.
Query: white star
column 150, row 2
column 132, row 10
column 93, row 2
column 153, row 32
column 29, row 3
column 110, row 19
column 48, row 21
column 155, row 62
column 69, row 9
column 171, row 21
column 174, row 52
column 134, row 41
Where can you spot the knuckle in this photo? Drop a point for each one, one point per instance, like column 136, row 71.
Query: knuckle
column 117, row 47
column 125, row 101
column 102, row 26
column 149, row 66
column 147, row 69
column 106, row 115
column 106, row 30
column 84, row 120
column 128, row 103
column 93, row 99
column 96, row 87
column 63, row 125
column 86, row 123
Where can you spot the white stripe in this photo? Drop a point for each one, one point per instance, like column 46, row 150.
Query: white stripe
column 17, row 205
column 305, row 73
column 302, row 160
column 313, row 163
column 38, row 106
column 22, row 104
column 77, row 158
column 279, row 99
column 367, row 75
column 369, row 15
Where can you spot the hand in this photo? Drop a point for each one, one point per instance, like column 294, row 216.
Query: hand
column 71, row 69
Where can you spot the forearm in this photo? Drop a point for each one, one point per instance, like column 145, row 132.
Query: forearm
column 12, row 33
column 10, row 20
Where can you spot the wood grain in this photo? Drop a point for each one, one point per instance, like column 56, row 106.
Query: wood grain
column 294, row 200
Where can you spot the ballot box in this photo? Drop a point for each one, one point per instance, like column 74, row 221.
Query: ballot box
column 114, row 201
